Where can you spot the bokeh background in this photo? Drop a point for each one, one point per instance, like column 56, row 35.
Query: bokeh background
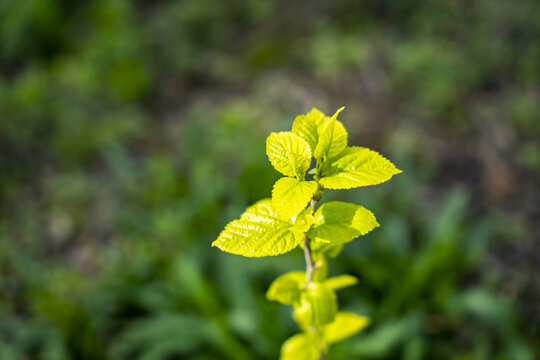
column 131, row 132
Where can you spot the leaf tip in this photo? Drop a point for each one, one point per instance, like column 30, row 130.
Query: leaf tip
column 337, row 112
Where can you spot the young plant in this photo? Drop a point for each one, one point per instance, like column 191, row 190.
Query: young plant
column 291, row 219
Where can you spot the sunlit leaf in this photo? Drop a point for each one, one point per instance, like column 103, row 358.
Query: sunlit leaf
column 340, row 222
column 286, row 288
column 307, row 126
column 300, row 347
column 261, row 231
column 318, row 306
column 288, row 153
column 332, row 138
column 304, row 221
column 341, row 281
column 357, row 166
column 345, row 325
column 291, row 195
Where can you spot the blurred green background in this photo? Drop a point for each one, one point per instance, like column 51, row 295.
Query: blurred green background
column 131, row 132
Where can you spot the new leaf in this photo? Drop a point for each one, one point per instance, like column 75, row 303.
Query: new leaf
column 340, row 222
column 259, row 232
column 332, row 138
column 288, row 153
column 357, row 166
column 308, row 127
column 345, row 325
column 318, row 306
column 286, row 288
column 299, row 347
column 290, row 195
column 341, row 281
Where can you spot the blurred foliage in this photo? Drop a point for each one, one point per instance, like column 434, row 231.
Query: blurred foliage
column 132, row 131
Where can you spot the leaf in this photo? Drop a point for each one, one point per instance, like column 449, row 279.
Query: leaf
column 334, row 251
column 341, row 281
column 286, row 288
column 290, row 195
column 300, row 347
column 345, row 325
column 357, row 166
column 318, row 306
column 304, row 221
column 341, row 222
column 288, row 153
column 307, row 127
column 259, row 232
column 332, row 138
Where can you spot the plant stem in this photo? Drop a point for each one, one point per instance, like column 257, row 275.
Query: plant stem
column 310, row 266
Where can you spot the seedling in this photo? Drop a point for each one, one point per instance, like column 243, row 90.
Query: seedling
column 291, row 218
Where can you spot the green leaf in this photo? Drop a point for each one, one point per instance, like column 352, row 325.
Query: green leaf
column 261, row 231
column 357, row 166
column 345, row 325
column 304, row 221
column 307, row 127
column 334, row 250
column 340, row 222
column 318, row 306
column 341, row 281
column 332, row 138
column 288, row 153
column 290, row 195
column 286, row 288
column 300, row 347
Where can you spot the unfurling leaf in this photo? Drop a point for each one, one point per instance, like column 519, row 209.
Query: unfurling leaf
column 300, row 347
column 318, row 306
column 288, row 153
column 286, row 288
column 341, row 281
column 259, row 232
column 308, row 127
column 332, row 138
column 345, row 325
column 357, row 166
column 290, row 195
column 340, row 222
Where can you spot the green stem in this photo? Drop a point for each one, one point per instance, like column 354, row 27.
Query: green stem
column 310, row 266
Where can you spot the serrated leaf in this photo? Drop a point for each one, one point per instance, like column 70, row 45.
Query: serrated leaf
column 341, row 281
column 288, row 153
column 286, row 288
column 318, row 306
column 332, row 138
column 340, row 222
column 300, row 347
column 290, row 195
column 345, row 325
column 307, row 127
column 357, row 166
column 259, row 232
